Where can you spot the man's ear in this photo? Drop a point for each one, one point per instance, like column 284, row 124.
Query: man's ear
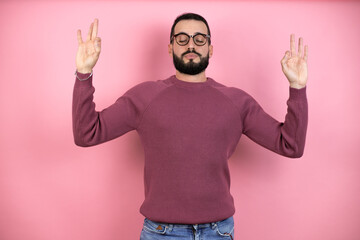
column 170, row 49
column 211, row 49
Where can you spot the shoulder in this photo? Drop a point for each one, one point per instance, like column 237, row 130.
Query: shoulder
column 242, row 100
column 147, row 88
column 236, row 95
column 143, row 93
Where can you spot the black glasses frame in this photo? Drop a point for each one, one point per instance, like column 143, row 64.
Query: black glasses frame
column 206, row 36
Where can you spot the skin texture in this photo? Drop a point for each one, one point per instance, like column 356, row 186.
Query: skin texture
column 294, row 63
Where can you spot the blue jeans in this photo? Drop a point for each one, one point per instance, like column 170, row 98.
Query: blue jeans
column 221, row 230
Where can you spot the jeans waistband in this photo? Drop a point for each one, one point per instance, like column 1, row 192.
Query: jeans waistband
column 171, row 226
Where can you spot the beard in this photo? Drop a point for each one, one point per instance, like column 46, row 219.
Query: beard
column 190, row 68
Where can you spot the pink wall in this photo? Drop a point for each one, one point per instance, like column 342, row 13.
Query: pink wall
column 51, row 189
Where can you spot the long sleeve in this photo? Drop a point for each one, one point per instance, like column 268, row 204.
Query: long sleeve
column 91, row 127
column 286, row 138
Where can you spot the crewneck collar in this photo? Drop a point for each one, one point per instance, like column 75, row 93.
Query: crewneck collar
column 182, row 83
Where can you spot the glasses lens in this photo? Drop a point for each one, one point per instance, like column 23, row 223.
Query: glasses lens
column 182, row 39
column 199, row 39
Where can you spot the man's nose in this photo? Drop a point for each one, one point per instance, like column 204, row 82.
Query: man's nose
column 191, row 43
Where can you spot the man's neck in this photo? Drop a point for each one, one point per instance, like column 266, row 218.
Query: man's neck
column 201, row 77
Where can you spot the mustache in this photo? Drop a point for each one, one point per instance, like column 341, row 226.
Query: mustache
column 190, row 51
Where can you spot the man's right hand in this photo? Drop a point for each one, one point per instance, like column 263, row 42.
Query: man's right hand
column 88, row 52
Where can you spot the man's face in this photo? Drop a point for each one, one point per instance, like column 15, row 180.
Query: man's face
column 190, row 59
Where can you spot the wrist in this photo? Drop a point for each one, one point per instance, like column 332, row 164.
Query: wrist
column 84, row 70
column 297, row 86
column 83, row 76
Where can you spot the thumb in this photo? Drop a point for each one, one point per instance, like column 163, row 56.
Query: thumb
column 98, row 44
column 284, row 59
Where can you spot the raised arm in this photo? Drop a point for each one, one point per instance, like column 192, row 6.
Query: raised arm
column 288, row 137
column 91, row 127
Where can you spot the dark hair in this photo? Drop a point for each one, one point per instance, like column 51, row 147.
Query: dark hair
column 189, row 16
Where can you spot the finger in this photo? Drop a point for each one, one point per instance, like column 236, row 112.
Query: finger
column 292, row 45
column 300, row 49
column 95, row 29
column 79, row 38
column 98, row 45
column 90, row 32
column 306, row 53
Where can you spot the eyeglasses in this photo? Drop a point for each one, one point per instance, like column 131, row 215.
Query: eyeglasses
column 183, row 38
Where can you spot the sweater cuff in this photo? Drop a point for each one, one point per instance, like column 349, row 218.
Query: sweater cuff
column 83, row 83
column 296, row 94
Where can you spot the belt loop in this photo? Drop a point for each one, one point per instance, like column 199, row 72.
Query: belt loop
column 213, row 225
column 171, row 226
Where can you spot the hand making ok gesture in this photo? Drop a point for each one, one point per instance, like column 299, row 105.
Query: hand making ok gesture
column 88, row 52
column 294, row 64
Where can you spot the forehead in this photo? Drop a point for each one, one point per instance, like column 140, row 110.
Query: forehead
column 190, row 27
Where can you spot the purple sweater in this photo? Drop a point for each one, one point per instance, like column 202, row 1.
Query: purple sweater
column 188, row 131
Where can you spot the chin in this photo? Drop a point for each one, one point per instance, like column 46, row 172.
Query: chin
column 193, row 61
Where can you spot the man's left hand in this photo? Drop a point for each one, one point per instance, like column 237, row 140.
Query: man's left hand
column 294, row 64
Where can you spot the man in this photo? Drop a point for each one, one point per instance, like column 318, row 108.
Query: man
column 189, row 125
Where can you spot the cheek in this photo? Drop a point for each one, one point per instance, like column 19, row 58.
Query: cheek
column 204, row 52
column 176, row 51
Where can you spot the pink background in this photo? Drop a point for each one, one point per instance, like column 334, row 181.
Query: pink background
column 50, row 189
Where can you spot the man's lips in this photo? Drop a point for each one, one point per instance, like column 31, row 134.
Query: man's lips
column 191, row 55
